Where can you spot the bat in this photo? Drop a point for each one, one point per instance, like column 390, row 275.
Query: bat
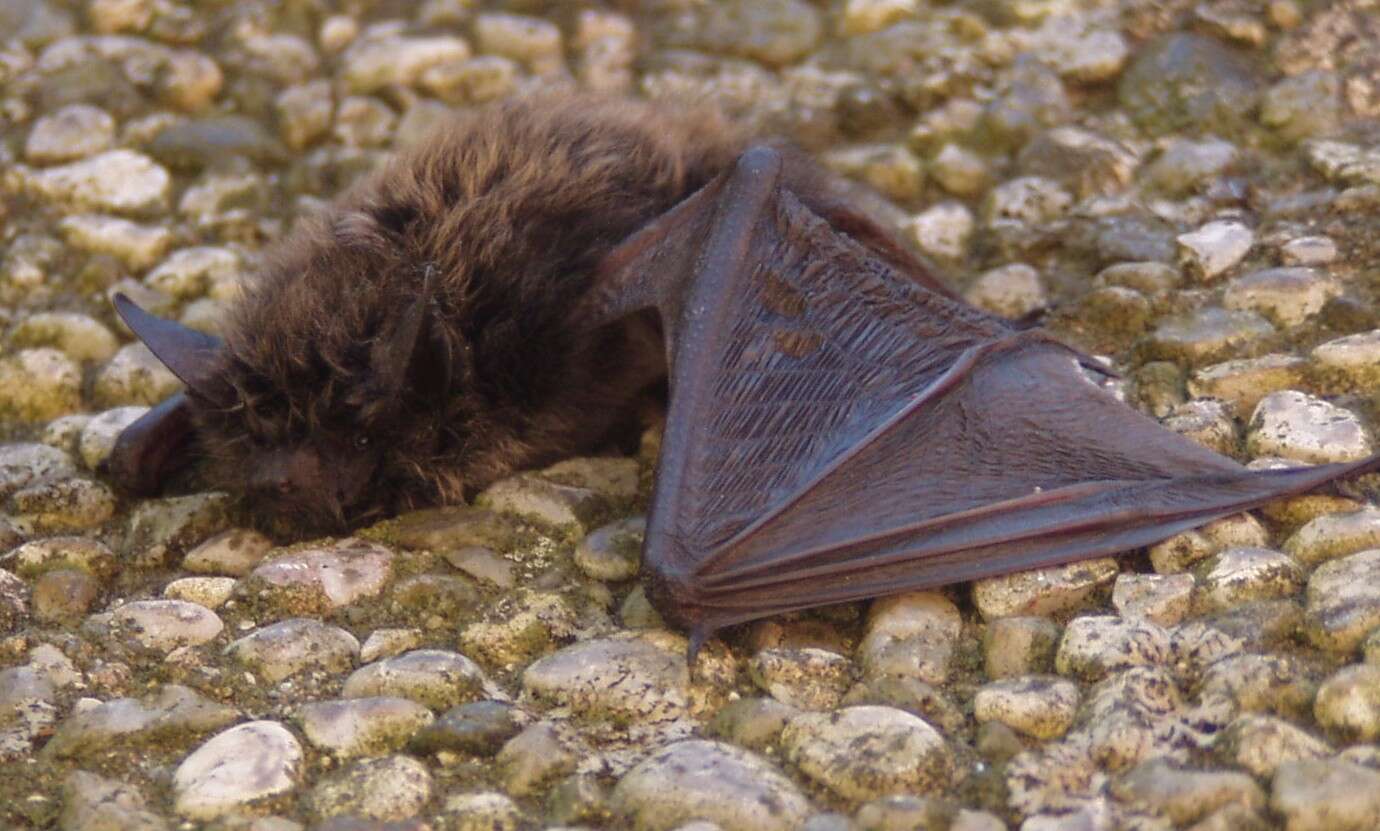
column 840, row 425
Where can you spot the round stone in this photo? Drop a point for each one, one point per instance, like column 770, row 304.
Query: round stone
column 39, row 385
column 119, row 181
column 1348, row 703
column 1243, row 575
column 134, row 376
column 867, row 752
column 1287, row 296
column 78, row 336
column 246, row 763
column 808, row 679
column 283, row 649
column 433, row 677
column 387, row 789
column 1044, row 592
column 234, row 553
column 1215, row 247
column 1344, row 601
column 73, row 132
column 1334, row 535
column 100, row 433
column 1038, row 706
column 1011, row 291
column 1326, row 795
column 211, row 592
column 701, row 780
column 317, row 580
column 1096, row 645
column 362, row 726
column 618, row 680
column 613, row 552
column 1295, row 425
column 164, row 625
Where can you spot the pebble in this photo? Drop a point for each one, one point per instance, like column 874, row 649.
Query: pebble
column 24, row 463
column 188, row 273
column 1335, row 535
column 1028, row 199
column 319, row 580
column 136, row 245
column 133, row 376
column 64, row 506
column 1243, row 382
column 480, row 728
column 1205, row 421
column 1145, row 277
column 524, row 626
column 385, row 643
column 162, row 625
column 1011, row 291
column 1188, row 164
column 93, row 803
column 1353, row 358
column 283, row 649
column 537, row 499
column 612, row 477
column 388, row 789
column 78, row 336
column 234, row 552
column 530, row 40
column 305, row 112
column 487, row 811
column 868, row 751
column 806, row 679
column 1162, row 599
column 1271, row 684
column 118, row 181
column 373, row 64
column 752, row 722
column 1348, row 703
column 701, row 780
column 893, row 171
column 1326, row 795
column 170, row 717
column 613, row 552
column 1243, row 575
column 39, row 385
column 1304, row 106
column 1044, row 592
column 1095, row 645
column 247, row 763
column 157, row 528
column 1206, row 336
column 1014, row 646
column 1287, row 296
column 960, row 171
column 73, row 132
column 1261, row 743
column 943, row 230
column 434, row 677
column 1344, row 601
column 860, row 17
column 1091, row 57
column 99, row 434
column 362, row 726
column 211, row 592
column 62, row 553
column 1308, row 251
column 1214, row 248
column 1184, row 796
column 1295, row 425
column 616, row 680
column 1180, row 80
column 1040, row 706
column 535, row 758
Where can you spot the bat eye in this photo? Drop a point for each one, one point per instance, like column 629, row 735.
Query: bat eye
column 361, row 442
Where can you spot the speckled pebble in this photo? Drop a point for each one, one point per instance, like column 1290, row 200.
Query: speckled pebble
column 1288, row 296
column 322, row 579
column 434, row 677
column 120, row 181
column 38, row 385
column 612, row 552
column 1344, row 601
column 1261, row 743
column 1348, row 703
column 93, row 803
column 371, row 64
column 1208, row 335
column 1015, row 646
column 807, row 679
column 136, row 245
column 189, row 273
column 362, row 726
column 171, row 716
column 477, row 727
column 385, row 643
column 249, row 762
column 73, row 132
column 1183, row 795
column 536, row 498
column 283, row 649
column 486, row 811
column 1243, row 575
column 1011, row 291
column 162, row 625
column 1355, row 358
column 1326, row 795
column 1028, row 199
column 1187, row 163
column 536, row 757
column 27, row 462
column 612, row 680
column 133, row 376
column 868, row 751
column 389, row 788
column 1036, row 705
column 524, row 625
column 54, row 553
column 1047, row 591
column 1095, row 645
column 1214, row 248
column 100, row 432
column 692, row 780
column 62, row 506
column 234, row 552
column 943, row 230
column 211, row 592
column 1244, row 381
column 1295, row 425
column 1163, row 599
column 1310, row 250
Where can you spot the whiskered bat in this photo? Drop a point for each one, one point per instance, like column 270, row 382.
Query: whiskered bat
column 840, row 425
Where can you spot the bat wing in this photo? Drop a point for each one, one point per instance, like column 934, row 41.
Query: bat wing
column 836, row 431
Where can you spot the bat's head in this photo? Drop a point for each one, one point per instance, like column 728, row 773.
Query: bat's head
column 313, row 426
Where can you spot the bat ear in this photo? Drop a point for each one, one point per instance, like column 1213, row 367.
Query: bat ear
column 188, row 353
column 414, row 349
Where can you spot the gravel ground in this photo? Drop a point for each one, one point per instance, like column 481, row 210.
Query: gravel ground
column 1190, row 189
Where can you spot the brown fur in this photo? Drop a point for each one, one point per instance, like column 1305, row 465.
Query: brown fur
column 506, row 212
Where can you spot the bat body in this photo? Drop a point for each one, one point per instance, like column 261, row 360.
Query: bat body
column 840, row 426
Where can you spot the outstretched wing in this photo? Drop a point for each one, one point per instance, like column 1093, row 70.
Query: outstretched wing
column 836, row 431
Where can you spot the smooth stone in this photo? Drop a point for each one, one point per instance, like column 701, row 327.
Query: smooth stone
column 1027, row 199
column 1348, row 703
column 433, row 677
column 63, row 506
column 133, row 376
column 1354, row 358
column 283, row 649
column 1011, row 291
column 530, row 40
column 529, row 624
column 943, row 230
column 99, row 435
column 613, row 552
column 806, row 679
column 1039, row 706
column 617, row 680
column 1163, row 599
column 1270, row 684
column 1015, row 646
column 79, row 337
column 234, row 552
column 1335, row 535
column 1185, row 796
column 1310, row 250
column 1242, row 575
column 136, row 245
column 484, row 565
column 1295, row 425
column 1326, row 795
column 452, row 527
column 162, row 625
column 385, row 643
column 61, row 596
column 1187, row 164
column 867, row 752
column 1148, row 277
column 1288, row 296
column 120, row 181
column 168, row 716
column 892, row 170
column 535, row 758
column 73, row 132
column 62, row 553
column 157, row 528
column 701, row 780
column 318, row 580
column 1261, row 743
column 1344, row 601
column 245, row 764
column 1180, row 80
column 612, row 477
column 93, row 803
column 1205, row 421
column 1214, row 248
column 189, row 273
column 474, row 81
column 480, row 728
column 28, row 462
column 211, row 592
column 1096, row 645
column 487, row 811
column 389, row 789
column 39, row 385
column 752, row 722
column 529, row 496
column 960, row 171
column 362, row 726
column 1243, row 382
column 1208, row 335
column 1044, row 592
